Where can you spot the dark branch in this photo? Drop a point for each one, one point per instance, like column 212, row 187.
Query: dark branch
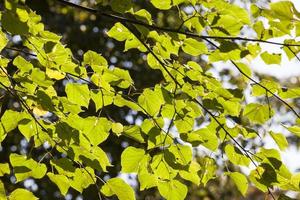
column 154, row 27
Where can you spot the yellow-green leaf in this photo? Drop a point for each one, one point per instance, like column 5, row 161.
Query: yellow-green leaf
column 20, row 194
column 78, row 94
column 118, row 187
column 280, row 140
column 3, row 40
column 240, row 181
column 236, row 156
column 271, row 58
column 194, row 47
column 130, row 159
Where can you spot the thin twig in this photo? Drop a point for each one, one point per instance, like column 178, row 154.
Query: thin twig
column 259, row 84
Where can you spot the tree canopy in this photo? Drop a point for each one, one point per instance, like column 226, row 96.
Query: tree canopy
column 124, row 99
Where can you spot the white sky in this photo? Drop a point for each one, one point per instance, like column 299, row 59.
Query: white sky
column 287, row 69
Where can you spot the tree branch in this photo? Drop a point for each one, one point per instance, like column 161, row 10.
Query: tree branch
column 154, row 27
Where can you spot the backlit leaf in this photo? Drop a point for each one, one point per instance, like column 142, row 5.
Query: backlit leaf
column 258, row 113
column 118, row 187
column 78, row 94
column 3, row 40
column 240, row 181
column 194, row 47
column 162, row 5
column 280, row 140
column 25, row 168
column 4, row 169
column 20, row 193
column 61, row 181
column 130, row 159
column 172, row 190
column 271, row 58
column 236, row 156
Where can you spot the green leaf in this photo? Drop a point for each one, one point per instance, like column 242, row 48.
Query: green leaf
column 231, row 107
column 118, row 77
column 287, row 93
column 24, row 168
column 2, row 133
column 263, row 177
column 143, row 15
column 95, row 129
column 271, row 58
column 121, row 102
column 130, row 159
column 22, row 64
column 152, row 62
column 151, row 101
column 184, row 124
column 178, row 154
column 156, row 137
column 240, row 181
column 282, row 10
column 93, row 157
column 3, row 40
column 117, row 128
column 227, row 51
column 28, row 128
column 61, row 181
column 118, row 187
column 83, row 178
column 194, row 47
column 63, row 166
column 192, row 173
column 258, row 113
column 39, row 77
column 172, row 190
column 225, row 25
column 280, row 140
column 121, row 6
column 203, row 136
column 2, row 191
column 162, row 5
column 294, row 129
column 245, row 69
column 10, row 120
column 208, row 169
column 134, row 42
column 78, row 94
column 273, row 86
column 161, row 169
column 11, row 22
column 20, row 193
column 22, row 14
column 119, row 32
column 146, row 179
column 236, row 156
column 4, row 169
column 102, row 98
column 133, row 132
column 295, row 180
column 95, row 60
